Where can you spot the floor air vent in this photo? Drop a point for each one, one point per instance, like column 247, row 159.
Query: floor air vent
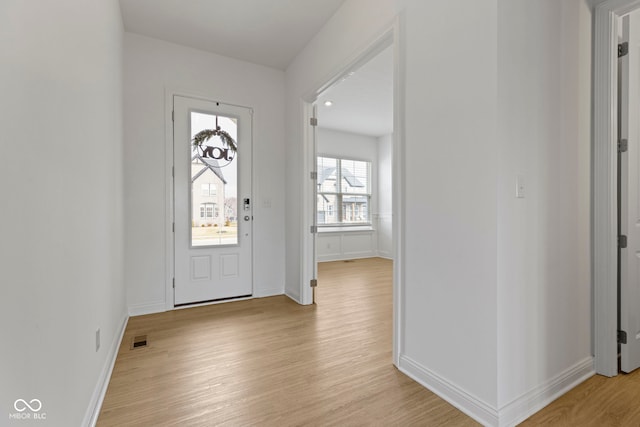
column 139, row 341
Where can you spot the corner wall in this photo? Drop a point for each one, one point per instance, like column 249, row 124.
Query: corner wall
column 61, row 252
column 544, row 282
column 450, row 295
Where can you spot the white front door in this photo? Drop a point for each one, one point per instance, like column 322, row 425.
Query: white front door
column 212, row 201
column 629, row 201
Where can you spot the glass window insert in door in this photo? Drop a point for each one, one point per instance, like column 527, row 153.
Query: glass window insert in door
column 214, row 181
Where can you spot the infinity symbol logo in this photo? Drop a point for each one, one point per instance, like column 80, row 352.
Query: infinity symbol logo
column 21, row 405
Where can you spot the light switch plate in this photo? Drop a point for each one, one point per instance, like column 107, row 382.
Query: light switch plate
column 520, row 187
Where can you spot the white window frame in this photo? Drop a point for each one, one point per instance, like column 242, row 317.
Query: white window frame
column 207, row 207
column 339, row 194
column 205, row 189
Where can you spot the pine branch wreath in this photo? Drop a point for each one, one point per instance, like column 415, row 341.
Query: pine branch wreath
column 205, row 135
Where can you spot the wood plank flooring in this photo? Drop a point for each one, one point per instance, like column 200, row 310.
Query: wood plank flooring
column 597, row 402
column 272, row 362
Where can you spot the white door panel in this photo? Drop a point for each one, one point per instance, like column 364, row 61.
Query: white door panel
column 212, row 201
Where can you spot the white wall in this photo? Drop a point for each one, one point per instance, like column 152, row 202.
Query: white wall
column 490, row 283
column 151, row 66
column 384, row 218
column 348, row 145
column 450, row 183
column 544, row 323
column 61, row 173
column 339, row 245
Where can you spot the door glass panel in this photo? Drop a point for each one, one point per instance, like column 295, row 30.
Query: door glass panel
column 214, row 180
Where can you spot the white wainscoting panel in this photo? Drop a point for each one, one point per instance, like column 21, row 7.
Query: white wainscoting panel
column 341, row 245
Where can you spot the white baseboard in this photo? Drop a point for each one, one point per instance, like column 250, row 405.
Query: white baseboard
column 346, row 256
column 142, row 309
column 294, row 298
column 531, row 402
column 263, row 293
column 510, row 414
column 470, row 405
column 160, row 307
column 91, row 416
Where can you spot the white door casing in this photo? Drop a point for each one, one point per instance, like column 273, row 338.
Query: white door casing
column 391, row 36
column 629, row 99
column 212, row 246
column 605, row 136
column 314, row 219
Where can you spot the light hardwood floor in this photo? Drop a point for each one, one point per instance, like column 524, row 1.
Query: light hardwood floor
column 271, row 362
column 597, row 402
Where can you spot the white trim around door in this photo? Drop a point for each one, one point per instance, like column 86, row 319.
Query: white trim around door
column 392, row 36
column 170, row 94
column 605, row 136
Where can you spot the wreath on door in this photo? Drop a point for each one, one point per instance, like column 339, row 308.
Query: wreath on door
column 205, row 135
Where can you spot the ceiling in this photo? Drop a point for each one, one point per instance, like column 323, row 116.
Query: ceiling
column 264, row 32
column 271, row 33
column 363, row 101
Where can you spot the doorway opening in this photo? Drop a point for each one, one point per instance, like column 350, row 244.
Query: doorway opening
column 607, row 238
column 356, row 204
column 354, row 157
